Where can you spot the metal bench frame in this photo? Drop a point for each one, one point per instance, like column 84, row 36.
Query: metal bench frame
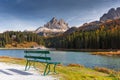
column 41, row 55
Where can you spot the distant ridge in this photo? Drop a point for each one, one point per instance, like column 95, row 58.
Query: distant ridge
column 112, row 14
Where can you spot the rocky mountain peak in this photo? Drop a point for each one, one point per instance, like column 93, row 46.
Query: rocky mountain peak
column 53, row 26
column 111, row 10
column 56, row 24
column 112, row 14
column 118, row 9
column 53, row 20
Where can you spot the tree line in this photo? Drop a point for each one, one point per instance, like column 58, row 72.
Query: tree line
column 106, row 37
column 17, row 36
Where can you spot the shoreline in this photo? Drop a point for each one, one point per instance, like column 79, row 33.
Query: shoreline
column 26, row 49
column 101, row 52
column 15, row 48
column 110, row 53
column 88, row 50
column 64, row 49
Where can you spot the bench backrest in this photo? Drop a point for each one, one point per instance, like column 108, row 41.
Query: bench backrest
column 37, row 55
column 35, row 51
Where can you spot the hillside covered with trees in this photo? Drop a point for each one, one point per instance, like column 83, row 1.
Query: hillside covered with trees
column 106, row 37
column 14, row 38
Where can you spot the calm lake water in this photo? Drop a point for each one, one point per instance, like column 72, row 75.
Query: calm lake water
column 84, row 58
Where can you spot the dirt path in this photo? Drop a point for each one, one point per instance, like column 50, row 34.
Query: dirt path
column 16, row 72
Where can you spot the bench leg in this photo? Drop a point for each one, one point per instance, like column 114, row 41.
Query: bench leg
column 55, row 68
column 27, row 67
column 47, row 67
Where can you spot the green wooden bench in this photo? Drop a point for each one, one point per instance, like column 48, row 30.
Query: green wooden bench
column 33, row 56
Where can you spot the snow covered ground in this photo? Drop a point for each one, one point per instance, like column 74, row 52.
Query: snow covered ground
column 16, row 72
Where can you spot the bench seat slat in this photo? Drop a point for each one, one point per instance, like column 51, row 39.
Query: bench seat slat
column 41, row 52
column 54, row 62
column 38, row 61
column 45, row 62
column 38, row 57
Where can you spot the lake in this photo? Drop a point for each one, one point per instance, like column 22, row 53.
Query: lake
column 83, row 58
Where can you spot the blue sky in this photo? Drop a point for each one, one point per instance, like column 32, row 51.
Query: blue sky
column 31, row 14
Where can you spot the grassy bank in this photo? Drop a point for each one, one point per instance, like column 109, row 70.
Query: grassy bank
column 21, row 45
column 73, row 71
column 109, row 53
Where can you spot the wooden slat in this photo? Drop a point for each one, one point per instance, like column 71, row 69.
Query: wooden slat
column 32, row 51
column 37, row 57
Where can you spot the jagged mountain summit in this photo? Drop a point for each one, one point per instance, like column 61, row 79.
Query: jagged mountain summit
column 53, row 27
column 112, row 14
